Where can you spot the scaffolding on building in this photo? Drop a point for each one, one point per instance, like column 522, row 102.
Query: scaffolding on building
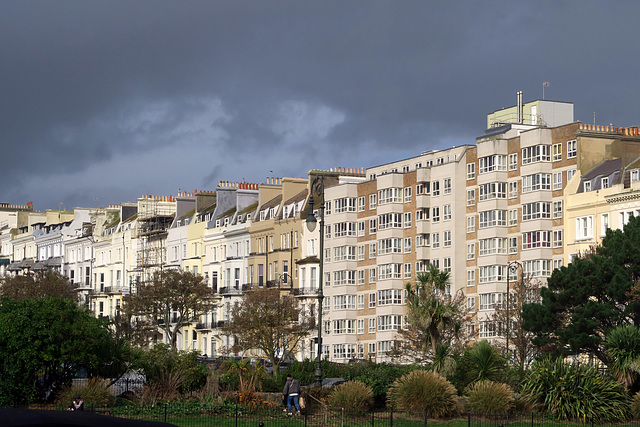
column 155, row 215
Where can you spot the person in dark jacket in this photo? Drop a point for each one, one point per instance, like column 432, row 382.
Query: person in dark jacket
column 292, row 391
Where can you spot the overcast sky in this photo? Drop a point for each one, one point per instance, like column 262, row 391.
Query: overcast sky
column 104, row 101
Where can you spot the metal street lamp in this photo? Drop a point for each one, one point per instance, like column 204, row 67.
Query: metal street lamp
column 512, row 268
column 317, row 187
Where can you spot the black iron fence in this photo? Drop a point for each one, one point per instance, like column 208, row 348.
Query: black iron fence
column 229, row 414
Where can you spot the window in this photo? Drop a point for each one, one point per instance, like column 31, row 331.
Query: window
column 634, row 175
column 486, row 329
column 436, row 188
column 471, row 197
column 372, row 275
column 513, row 245
column 407, row 219
column 471, row 304
column 360, row 277
column 471, row 277
column 492, row 163
column 389, row 220
column 388, row 246
column 557, row 152
column 372, row 302
column 570, row 174
column 604, row 222
column 492, row 273
column 513, row 189
column 536, row 239
column 435, row 240
column 513, row 217
column 536, row 210
column 342, row 229
column 344, row 253
column 587, row 186
column 344, row 277
column 557, row 180
column 537, row 268
column 407, row 194
column 494, row 245
column 557, row 209
column 390, row 296
column 344, row 302
column 372, row 201
column 557, row 239
column 360, row 326
column 490, row 300
column 373, row 224
column 361, row 204
column 513, row 161
column 537, row 181
column 407, row 271
column 446, row 183
column 557, row 263
column 372, row 250
column 604, row 183
column 493, row 190
column 572, row 149
column 584, row 227
column 361, row 228
column 389, row 271
column 389, row 195
column 471, row 170
column 493, row 218
column 345, row 204
column 446, row 267
column 344, row 326
column 471, row 250
column 471, row 224
column 361, row 302
column 360, row 253
column 435, row 214
column 446, row 238
column 536, row 153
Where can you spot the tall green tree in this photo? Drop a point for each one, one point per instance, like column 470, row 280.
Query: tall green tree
column 434, row 316
column 270, row 321
column 43, row 344
column 588, row 298
column 171, row 300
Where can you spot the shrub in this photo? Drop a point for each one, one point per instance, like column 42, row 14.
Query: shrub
column 635, row 406
column 482, row 362
column 354, row 396
column 94, row 393
column 488, row 397
column 420, row 390
column 576, row 392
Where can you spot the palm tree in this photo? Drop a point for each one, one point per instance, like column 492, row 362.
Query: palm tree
column 431, row 312
column 483, row 362
column 623, row 346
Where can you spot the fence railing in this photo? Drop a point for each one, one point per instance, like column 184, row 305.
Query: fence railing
column 229, row 414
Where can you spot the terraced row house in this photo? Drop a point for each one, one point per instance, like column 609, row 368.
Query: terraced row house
column 534, row 190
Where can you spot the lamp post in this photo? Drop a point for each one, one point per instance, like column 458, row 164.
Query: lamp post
column 317, row 186
column 511, row 268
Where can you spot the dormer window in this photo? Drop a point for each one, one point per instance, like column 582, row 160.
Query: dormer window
column 587, row 186
column 605, row 183
column 635, row 175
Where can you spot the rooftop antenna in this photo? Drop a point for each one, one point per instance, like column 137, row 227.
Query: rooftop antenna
column 544, row 84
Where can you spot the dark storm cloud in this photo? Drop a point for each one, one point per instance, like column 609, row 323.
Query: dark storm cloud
column 111, row 100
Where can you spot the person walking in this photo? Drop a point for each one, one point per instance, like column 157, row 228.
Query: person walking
column 292, row 391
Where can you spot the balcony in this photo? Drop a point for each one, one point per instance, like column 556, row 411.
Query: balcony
column 230, row 290
column 305, row 291
column 204, row 325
